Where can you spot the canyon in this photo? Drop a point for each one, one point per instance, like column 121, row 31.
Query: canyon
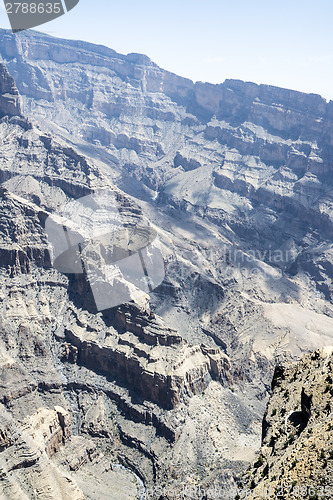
column 169, row 387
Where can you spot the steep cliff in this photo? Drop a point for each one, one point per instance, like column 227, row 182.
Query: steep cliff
column 10, row 102
column 296, row 456
column 157, row 392
column 26, row 469
column 236, row 181
column 253, row 158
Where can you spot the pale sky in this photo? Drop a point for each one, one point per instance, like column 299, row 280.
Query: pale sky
column 283, row 43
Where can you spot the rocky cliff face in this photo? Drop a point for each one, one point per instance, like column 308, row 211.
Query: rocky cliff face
column 296, row 453
column 236, row 181
column 154, row 388
column 258, row 153
column 10, row 102
column 26, row 469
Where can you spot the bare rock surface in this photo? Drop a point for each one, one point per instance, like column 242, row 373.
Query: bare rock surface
column 10, row 101
column 297, row 433
column 26, row 471
column 236, row 181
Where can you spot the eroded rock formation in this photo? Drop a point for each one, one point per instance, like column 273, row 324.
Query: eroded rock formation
column 296, row 453
column 236, row 181
column 10, row 101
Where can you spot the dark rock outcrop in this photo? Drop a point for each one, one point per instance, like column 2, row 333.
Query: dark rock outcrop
column 10, row 101
column 296, row 447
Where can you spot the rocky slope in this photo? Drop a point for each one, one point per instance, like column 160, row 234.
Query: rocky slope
column 254, row 162
column 10, row 102
column 29, row 448
column 235, row 179
column 296, row 457
column 155, row 391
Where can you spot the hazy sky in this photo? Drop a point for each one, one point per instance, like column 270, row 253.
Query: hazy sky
column 283, row 43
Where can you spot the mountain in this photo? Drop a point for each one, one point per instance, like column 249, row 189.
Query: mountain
column 122, row 377
column 235, row 180
column 296, row 456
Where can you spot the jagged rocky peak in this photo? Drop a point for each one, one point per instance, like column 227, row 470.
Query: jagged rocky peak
column 297, row 432
column 10, row 101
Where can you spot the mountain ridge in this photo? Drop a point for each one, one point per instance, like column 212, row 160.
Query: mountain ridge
column 106, row 50
column 67, row 356
column 251, row 89
column 236, row 181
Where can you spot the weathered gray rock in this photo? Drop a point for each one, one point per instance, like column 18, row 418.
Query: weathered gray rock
column 236, row 181
column 10, row 101
column 296, row 452
column 56, row 352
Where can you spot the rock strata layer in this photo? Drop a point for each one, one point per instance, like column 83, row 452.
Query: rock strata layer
column 235, row 180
